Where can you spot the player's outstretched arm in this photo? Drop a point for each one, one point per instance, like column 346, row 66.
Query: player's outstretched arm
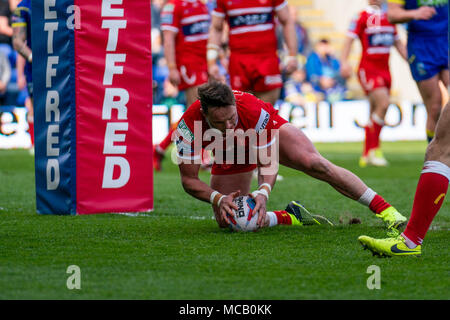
column 213, row 46
column 346, row 69
column 401, row 48
column 222, row 204
column 191, row 182
column 170, row 55
column 398, row 14
column 20, row 42
column 290, row 37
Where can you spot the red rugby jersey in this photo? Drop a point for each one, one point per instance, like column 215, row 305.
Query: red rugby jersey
column 253, row 115
column 252, row 24
column 190, row 20
column 377, row 35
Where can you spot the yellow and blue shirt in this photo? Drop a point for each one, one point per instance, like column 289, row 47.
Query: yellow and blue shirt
column 438, row 25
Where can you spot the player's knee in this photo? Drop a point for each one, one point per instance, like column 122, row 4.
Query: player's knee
column 436, row 111
column 437, row 151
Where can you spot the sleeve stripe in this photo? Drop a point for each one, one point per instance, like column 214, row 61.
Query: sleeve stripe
column 352, row 35
column 22, row 8
column 218, row 14
column 281, row 6
column 18, row 24
column 402, row 2
column 193, row 158
column 169, row 28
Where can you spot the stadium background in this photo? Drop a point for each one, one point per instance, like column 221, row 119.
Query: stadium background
column 318, row 19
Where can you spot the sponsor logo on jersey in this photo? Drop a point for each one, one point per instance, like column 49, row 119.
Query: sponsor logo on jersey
column 185, row 132
column 263, row 120
column 430, row 3
column 166, row 18
column 200, row 27
column 251, row 19
column 183, row 148
column 381, row 39
column 170, row 7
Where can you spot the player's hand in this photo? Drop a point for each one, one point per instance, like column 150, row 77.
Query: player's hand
column 260, row 208
column 21, row 82
column 227, row 206
column 291, row 65
column 346, row 70
column 425, row 13
column 174, row 77
column 2, row 87
column 214, row 72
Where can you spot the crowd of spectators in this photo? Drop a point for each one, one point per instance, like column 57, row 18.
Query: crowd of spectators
column 13, row 90
column 317, row 78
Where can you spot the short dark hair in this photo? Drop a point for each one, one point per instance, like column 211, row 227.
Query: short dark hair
column 215, row 94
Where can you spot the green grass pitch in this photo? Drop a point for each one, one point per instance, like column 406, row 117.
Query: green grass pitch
column 178, row 252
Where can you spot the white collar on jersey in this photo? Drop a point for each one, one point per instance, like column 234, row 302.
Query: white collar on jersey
column 373, row 10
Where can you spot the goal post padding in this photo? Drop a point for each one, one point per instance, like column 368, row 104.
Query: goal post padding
column 92, row 106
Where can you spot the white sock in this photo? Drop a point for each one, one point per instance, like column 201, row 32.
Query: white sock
column 436, row 167
column 408, row 242
column 367, row 197
column 273, row 221
column 377, row 120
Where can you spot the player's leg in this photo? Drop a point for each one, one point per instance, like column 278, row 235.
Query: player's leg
column 379, row 99
column 30, row 119
column 296, row 151
column 433, row 183
column 432, row 98
column 444, row 76
column 29, row 104
column 159, row 150
column 266, row 78
column 367, row 86
column 270, row 96
column 430, row 193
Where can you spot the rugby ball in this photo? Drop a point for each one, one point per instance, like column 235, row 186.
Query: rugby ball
column 244, row 218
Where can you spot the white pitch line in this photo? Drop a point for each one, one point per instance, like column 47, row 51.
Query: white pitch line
column 137, row 214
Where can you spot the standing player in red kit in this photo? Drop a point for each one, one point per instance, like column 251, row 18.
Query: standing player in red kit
column 254, row 65
column 377, row 36
column 185, row 27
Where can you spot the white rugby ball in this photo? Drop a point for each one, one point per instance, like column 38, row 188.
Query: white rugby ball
column 241, row 220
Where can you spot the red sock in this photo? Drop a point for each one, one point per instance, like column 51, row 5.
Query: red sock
column 31, row 131
column 430, row 194
column 368, row 143
column 167, row 140
column 376, row 134
column 378, row 204
column 283, row 217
